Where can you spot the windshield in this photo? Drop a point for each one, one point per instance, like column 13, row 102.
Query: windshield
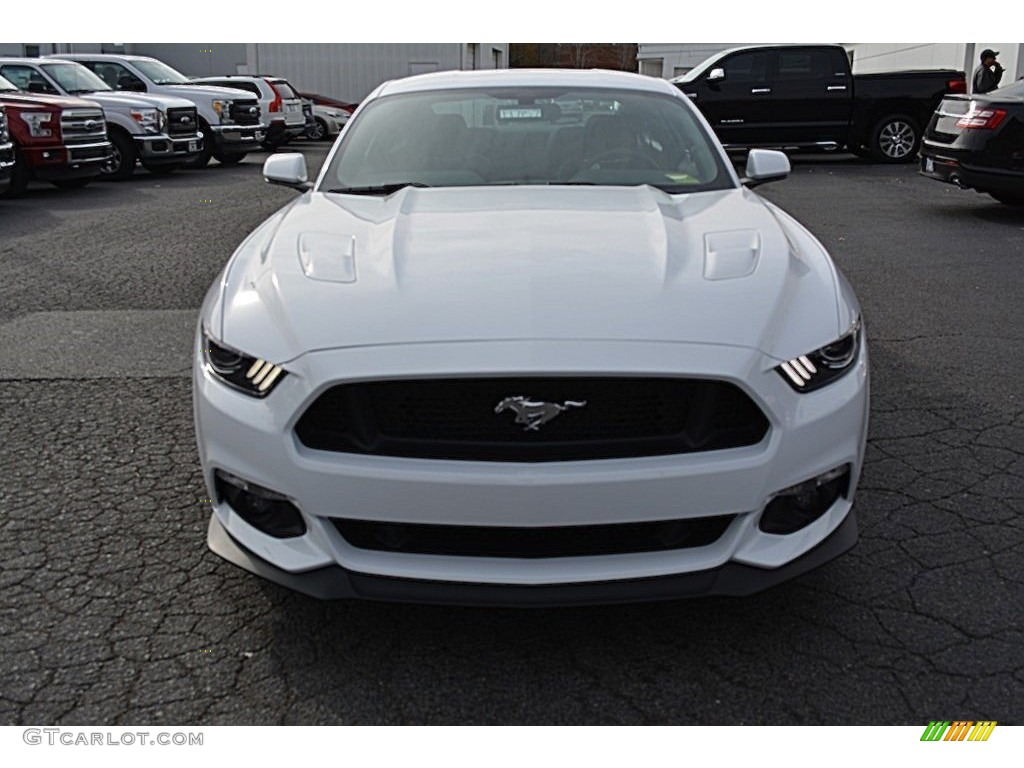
column 7, row 85
column 74, row 78
column 159, row 72
column 283, row 88
column 527, row 136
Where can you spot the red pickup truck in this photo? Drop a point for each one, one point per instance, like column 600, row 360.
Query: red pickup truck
column 58, row 139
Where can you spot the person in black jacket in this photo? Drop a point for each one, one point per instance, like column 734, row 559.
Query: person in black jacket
column 988, row 74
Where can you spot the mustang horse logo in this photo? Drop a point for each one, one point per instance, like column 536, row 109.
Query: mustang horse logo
column 535, row 413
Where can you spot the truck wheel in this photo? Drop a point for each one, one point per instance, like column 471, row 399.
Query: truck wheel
column 203, row 158
column 895, row 139
column 229, row 159
column 1008, row 199
column 71, row 183
column 19, row 178
column 122, row 159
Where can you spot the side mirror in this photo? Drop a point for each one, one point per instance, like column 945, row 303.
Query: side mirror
column 765, row 165
column 716, row 74
column 288, row 170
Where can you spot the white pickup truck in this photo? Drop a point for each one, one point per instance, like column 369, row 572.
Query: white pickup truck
column 161, row 132
column 228, row 116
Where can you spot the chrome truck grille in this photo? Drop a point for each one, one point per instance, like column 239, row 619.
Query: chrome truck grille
column 82, row 126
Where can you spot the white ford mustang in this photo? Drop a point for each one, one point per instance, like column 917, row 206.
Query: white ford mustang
column 528, row 339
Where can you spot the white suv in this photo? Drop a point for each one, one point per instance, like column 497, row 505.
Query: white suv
column 280, row 104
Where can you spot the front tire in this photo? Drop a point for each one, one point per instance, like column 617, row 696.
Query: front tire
column 122, row 159
column 20, row 177
column 895, row 139
column 317, row 131
column 203, row 158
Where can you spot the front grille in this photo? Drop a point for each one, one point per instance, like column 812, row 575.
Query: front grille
column 245, row 112
column 82, row 126
column 182, row 121
column 555, row 541
column 5, row 136
column 456, row 419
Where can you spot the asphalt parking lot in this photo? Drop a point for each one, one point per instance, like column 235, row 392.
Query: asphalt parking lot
column 113, row 611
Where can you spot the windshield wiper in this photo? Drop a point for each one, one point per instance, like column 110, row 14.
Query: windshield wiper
column 380, row 189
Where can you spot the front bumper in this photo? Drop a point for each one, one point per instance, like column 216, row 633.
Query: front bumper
column 71, row 161
column 810, row 433
column 961, row 172
column 238, row 138
column 279, row 130
column 335, row 582
column 163, row 148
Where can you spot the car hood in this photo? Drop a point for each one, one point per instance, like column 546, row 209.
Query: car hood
column 26, row 99
column 132, row 100
column 209, row 92
column 505, row 263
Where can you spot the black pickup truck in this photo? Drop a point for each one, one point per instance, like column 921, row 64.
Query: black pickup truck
column 806, row 96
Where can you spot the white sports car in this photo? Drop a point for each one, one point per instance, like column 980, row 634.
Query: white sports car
column 505, row 351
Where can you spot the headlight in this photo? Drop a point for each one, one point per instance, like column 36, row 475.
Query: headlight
column 35, row 122
column 250, row 375
column 334, row 114
column 223, row 109
column 151, row 120
column 816, row 369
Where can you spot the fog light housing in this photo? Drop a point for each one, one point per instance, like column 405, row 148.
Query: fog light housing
column 800, row 505
column 260, row 507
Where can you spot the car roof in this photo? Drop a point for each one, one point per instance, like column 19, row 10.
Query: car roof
column 99, row 57
column 486, row 78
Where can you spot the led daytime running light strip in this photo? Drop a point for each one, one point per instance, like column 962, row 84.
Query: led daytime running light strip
column 799, row 370
column 262, row 374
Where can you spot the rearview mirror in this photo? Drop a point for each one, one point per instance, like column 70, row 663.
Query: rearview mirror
column 716, row 74
column 288, row 170
column 765, row 165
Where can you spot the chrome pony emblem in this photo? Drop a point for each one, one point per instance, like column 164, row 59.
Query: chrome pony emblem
column 535, row 413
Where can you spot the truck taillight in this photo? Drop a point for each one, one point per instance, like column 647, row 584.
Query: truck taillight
column 980, row 117
column 958, row 85
column 275, row 105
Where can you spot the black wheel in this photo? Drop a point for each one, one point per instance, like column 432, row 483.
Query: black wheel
column 20, row 177
column 122, row 159
column 1008, row 199
column 896, row 139
column 317, row 131
column 161, row 170
column 71, row 183
column 229, row 159
column 203, row 158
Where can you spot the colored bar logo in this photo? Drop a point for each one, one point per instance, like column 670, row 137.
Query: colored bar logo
column 960, row 730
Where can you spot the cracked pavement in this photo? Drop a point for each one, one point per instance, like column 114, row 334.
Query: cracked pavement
column 113, row 611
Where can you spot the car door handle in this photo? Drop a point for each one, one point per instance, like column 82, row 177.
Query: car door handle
column 837, row 87
column 760, row 90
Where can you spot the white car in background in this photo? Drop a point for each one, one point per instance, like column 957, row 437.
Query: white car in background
column 329, row 122
column 499, row 355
